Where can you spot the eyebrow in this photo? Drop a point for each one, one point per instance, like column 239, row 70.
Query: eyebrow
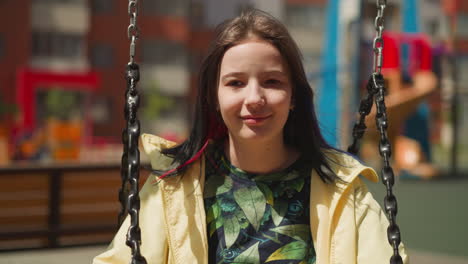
column 237, row 74
column 275, row 72
column 231, row 74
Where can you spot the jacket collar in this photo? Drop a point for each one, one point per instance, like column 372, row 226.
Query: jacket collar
column 185, row 216
column 183, row 207
column 324, row 199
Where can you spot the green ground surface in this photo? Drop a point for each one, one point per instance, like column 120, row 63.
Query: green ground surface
column 433, row 215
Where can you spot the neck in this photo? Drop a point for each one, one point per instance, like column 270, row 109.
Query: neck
column 260, row 157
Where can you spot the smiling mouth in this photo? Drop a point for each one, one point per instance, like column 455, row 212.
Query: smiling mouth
column 253, row 120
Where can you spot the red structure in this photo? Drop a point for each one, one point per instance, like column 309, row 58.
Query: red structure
column 28, row 81
column 420, row 51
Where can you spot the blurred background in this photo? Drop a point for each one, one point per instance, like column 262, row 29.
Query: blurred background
column 62, row 66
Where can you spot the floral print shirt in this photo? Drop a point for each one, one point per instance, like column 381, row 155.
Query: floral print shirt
column 257, row 218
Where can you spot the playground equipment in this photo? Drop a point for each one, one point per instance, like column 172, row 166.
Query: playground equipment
column 407, row 88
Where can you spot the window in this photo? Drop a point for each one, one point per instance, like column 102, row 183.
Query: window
column 167, row 65
column 102, row 56
column 462, row 25
column 165, row 7
column 164, row 52
column 305, row 16
column 462, row 67
column 55, row 44
column 102, row 6
column 432, row 27
column 197, row 14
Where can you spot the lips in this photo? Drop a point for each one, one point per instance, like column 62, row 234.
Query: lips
column 253, row 120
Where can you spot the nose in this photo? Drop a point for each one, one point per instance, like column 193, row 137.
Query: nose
column 255, row 96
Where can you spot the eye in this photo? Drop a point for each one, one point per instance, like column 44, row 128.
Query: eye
column 272, row 82
column 235, row 83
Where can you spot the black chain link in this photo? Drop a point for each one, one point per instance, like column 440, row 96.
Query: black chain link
column 388, row 179
column 376, row 91
column 378, row 40
column 364, row 110
column 130, row 171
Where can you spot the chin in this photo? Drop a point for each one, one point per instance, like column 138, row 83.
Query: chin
column 257, row 134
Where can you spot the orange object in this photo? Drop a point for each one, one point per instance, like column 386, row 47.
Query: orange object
column 64, row 139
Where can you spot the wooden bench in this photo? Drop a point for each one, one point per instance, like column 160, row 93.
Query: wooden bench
column 58, row 205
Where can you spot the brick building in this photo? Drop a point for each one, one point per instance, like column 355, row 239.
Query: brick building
column 77, row 38
column 84, row 44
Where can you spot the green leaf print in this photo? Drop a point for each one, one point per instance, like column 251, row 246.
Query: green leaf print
column 298, row 232
column 252, row 202
column 243, row 221
column 231, row 230
column 278, row 212
column 217, row 185
column 215, row 225
column 213, row 213
column 272, row 238
column 297, row 184
column 249, row 256
column 267, row 192
column 293, row 251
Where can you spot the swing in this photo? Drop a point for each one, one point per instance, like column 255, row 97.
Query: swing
column 128, row 193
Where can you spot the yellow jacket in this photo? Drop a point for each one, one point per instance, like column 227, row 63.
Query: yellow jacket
column 347, row 224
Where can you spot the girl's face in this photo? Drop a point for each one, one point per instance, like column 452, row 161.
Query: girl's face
column 254, row 91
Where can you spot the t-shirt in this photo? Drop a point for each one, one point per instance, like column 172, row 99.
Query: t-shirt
column 257, row 218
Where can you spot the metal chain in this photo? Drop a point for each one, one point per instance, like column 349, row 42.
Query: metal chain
column 364, row 109
column 388, row 179
column 376, row 91
column 378, row 40
column 133, row 32
column 130, row 171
